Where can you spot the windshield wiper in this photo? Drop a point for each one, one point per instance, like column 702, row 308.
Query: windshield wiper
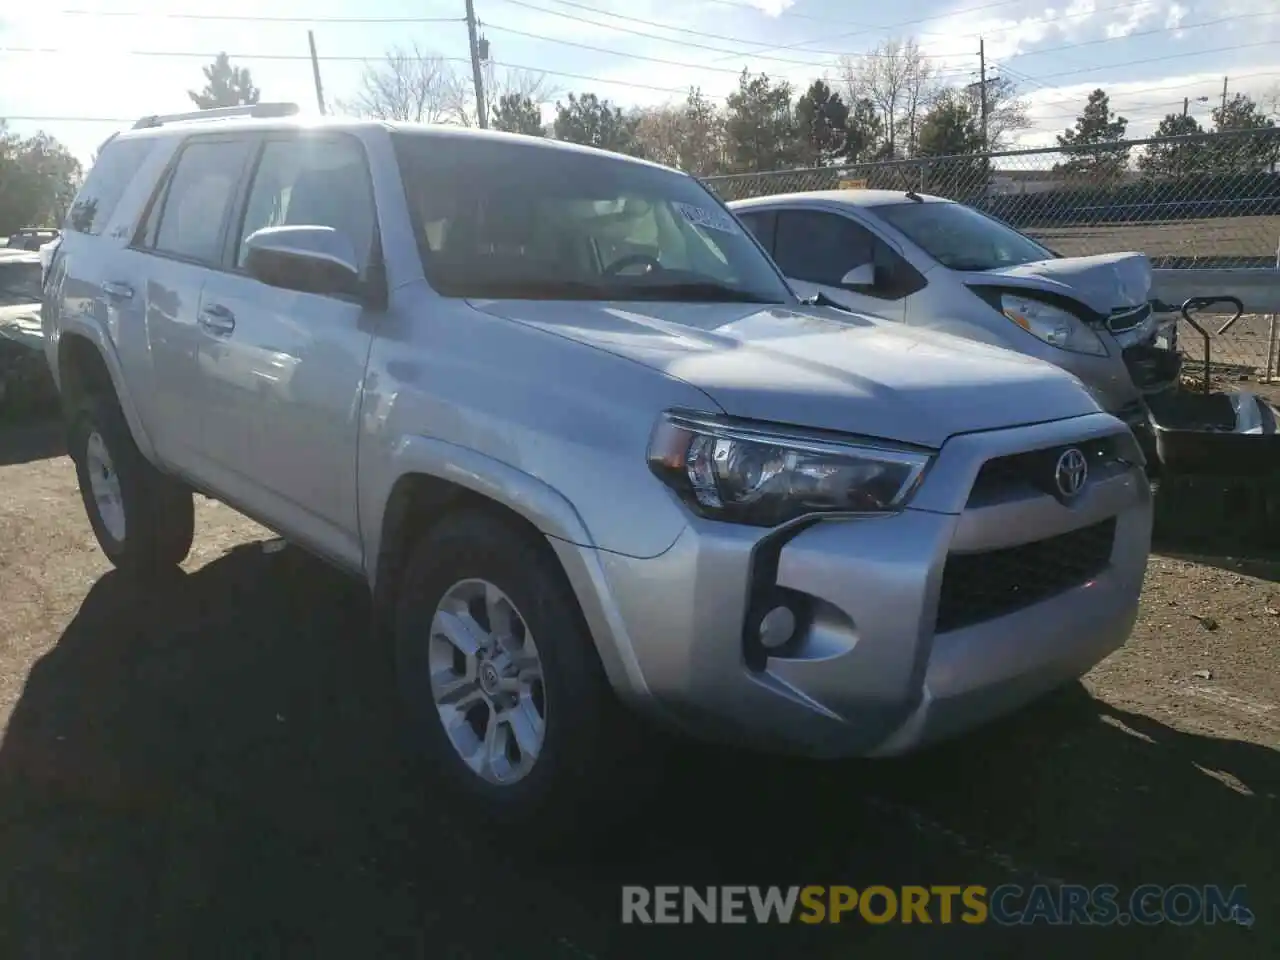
column 708, row 291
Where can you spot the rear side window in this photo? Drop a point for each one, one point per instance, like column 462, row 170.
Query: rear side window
column 194, row 208
column 117, row 162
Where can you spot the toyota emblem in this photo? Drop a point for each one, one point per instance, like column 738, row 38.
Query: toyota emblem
column 1071, row 473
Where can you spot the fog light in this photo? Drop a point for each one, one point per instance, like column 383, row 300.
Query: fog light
column 777, row 627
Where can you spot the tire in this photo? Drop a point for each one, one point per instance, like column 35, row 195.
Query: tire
column 589, row 743
column 146, row 526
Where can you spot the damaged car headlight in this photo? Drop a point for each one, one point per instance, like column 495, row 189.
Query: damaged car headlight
column 762, row 475
column 1054, row 325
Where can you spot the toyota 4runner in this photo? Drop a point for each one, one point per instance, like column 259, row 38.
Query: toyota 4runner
column 588, row 450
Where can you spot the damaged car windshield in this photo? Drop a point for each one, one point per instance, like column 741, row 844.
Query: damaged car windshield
column 502, row 219
column 960, row 237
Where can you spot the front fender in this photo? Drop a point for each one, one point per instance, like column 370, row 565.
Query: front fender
column 538, row 503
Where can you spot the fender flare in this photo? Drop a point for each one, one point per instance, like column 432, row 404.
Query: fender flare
column 541, row 505
column 96, row 336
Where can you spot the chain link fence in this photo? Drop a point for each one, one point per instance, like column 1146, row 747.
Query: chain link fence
column 1205, row 201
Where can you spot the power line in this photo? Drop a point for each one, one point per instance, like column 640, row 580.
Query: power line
column 687, row 43
column 1140, row 33
column 631, row 56
column 1171, row 56
column 788, row 13
column 651, row 23
column 168, row 15
column 1000, row 3
column 350, row 59
column 490, row 25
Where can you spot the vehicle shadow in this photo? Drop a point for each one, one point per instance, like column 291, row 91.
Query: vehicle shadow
column 1264, row 565
column 213, row 768
column 27, row 442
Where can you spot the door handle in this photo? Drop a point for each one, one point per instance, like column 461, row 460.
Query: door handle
column 217, row 319
column 117, row 290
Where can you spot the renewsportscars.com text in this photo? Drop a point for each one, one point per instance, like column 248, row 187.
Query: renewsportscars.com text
column 1009, row 904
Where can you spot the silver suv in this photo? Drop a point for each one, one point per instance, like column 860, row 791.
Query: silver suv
column 588, row 450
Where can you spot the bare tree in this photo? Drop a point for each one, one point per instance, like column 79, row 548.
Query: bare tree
column 922, row 88
column 883, row 76
column 499, row 82
column 1271, row 101
column 407, row 84
column 688, row 135
column 703, row 150
column 901, row 82
column 659, row 132
column 1006, row 111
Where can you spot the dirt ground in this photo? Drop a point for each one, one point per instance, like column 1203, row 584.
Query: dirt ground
column 213, row 770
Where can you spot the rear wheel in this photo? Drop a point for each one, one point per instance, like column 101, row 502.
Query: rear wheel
column 144, row 520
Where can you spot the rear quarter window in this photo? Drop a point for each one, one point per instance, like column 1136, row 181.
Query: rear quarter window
column 110, row 176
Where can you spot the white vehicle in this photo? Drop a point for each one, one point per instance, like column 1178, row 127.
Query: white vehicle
column 934, row 263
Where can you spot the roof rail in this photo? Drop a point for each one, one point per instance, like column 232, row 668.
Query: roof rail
column 220, row 113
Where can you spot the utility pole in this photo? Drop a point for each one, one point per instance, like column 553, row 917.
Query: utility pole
column 477, row 76
column 1186, row 105
column 1224, row 96
column 982, row 92
column 315, row 71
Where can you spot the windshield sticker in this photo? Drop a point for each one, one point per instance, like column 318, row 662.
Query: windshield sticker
column 706, row 218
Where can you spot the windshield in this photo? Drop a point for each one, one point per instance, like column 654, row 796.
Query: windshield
column 502, row 219
column 960, row 237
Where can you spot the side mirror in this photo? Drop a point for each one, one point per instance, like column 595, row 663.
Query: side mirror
column 304, row 258
column 863, row 276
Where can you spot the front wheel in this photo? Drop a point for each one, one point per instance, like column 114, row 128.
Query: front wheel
column 144, row 520
column 504, row 692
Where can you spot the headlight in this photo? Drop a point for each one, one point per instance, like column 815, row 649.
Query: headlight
column 764, row 476
column 1053, row 325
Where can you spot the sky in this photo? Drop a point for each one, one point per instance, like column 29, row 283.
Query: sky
column 80, row 69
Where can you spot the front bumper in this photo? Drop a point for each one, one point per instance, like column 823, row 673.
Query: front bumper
column 869, row 674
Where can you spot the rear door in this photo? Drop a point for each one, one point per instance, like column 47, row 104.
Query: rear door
column 284, row 370
column 176, row 248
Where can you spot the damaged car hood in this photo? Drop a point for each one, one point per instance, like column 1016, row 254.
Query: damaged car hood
column 1105, row 283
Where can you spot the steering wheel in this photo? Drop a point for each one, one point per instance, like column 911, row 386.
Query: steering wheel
column 632, row 260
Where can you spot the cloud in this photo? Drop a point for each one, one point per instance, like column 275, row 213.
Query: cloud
column 772, row 8
column 1142, row 102
column 1134, row 18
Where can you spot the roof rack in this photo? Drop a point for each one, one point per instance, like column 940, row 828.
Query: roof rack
column 221, row 113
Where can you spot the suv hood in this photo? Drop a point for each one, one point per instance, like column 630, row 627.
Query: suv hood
column 1104, row 283
column 819, row 368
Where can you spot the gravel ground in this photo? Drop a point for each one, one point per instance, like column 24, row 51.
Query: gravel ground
column 213, row 770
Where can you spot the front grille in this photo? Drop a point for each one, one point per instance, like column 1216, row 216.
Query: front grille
column 1003, row 477
column 981, row 586
column 1126, row 318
